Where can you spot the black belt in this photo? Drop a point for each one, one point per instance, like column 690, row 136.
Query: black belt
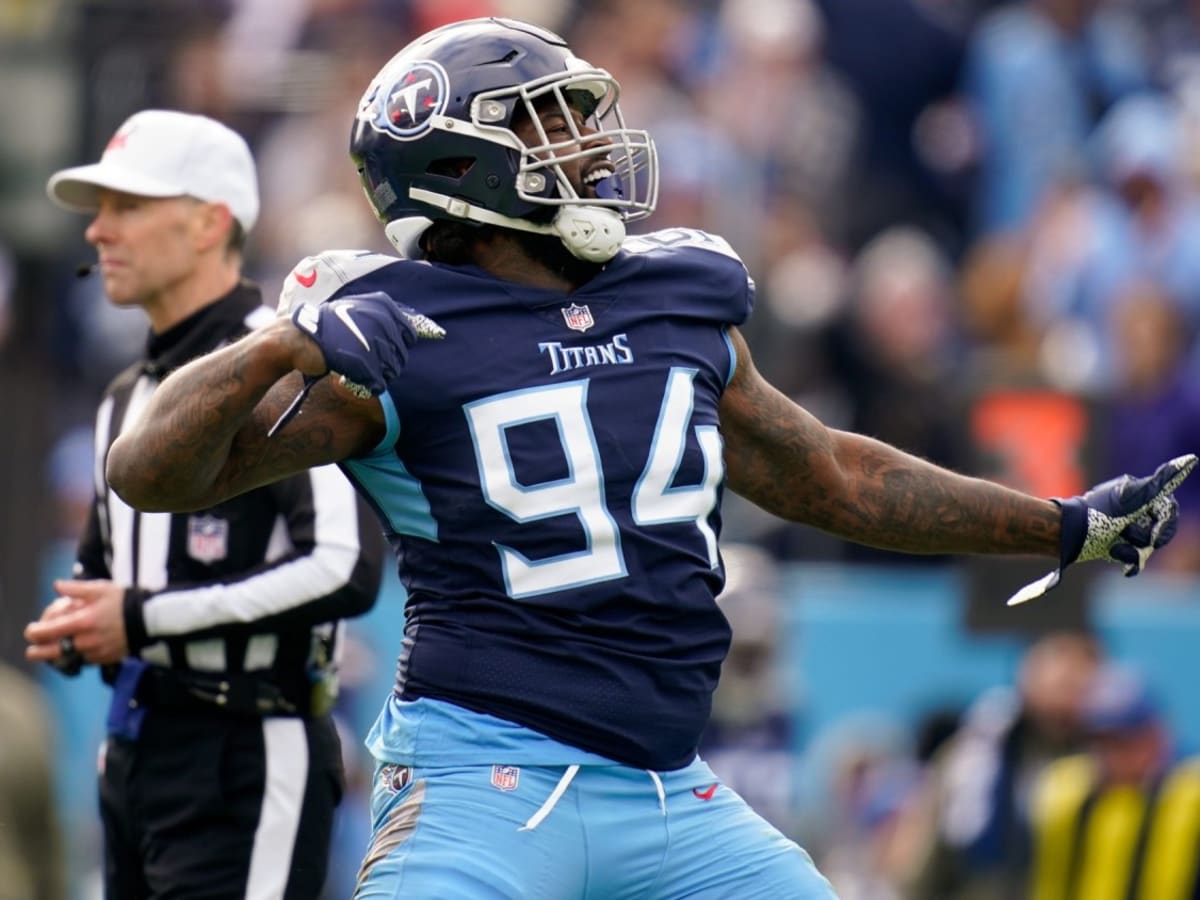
column 237, row 695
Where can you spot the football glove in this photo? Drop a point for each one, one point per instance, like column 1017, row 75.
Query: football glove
column 364, row 338
column 1123, row 521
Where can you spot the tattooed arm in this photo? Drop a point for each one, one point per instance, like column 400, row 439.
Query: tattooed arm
column 202, row 438
column 784, row 460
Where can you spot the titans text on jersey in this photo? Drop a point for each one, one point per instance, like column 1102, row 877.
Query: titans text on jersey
column 563, row 358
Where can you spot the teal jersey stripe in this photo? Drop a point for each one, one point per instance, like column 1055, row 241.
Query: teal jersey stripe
column 393, row 489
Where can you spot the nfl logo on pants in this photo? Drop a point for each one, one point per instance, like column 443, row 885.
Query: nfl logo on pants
column 505, row 777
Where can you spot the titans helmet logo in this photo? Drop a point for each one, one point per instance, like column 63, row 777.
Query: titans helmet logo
column 404, row 101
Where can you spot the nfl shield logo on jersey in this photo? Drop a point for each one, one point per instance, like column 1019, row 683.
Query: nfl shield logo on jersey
column 579, row 318
column 207, row 538
column 506, row 777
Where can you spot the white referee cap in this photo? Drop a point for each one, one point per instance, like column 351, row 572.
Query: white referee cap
column 163, row 153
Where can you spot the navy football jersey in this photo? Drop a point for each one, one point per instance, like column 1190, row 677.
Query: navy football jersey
column 551, row 482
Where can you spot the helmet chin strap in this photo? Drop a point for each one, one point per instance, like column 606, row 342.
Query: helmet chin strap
column 405, row 235
column 590, row 233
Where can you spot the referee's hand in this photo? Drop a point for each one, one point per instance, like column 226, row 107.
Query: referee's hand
column 89, row 615
column 61, row 653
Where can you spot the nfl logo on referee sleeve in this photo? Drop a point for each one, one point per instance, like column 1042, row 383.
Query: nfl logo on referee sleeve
column 506, row 777
column 207, row 538
column 578, row 318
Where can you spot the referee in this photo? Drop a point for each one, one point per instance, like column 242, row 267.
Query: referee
column 217, row 629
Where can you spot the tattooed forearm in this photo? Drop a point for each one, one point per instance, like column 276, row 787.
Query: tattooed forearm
column 784, row 460
column 326, row 428
column 203, row 437
column 897, row 501
column 180, row 446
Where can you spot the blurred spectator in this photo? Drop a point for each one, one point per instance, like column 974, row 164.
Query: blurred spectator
column 900, row 346
column 203, row 75
column 1071, row 239
column 1084, row 234
column 32, row 863
column 801, row 294
column 901, row 58
column 649, row 46
column 903, row 319
column 1004, row 342
column 856, row 819
column 1121, row 820
column 312, row 198
column 655, row 49
column 700, row 163
column 1174, row 27
column 1039, row 74
column 977, row 794
column 430, row 14
column 1141, row 146
column 1154, row 412
column 1090, row 242
column 870, row 349
column 872, row 853
column 803, row 124
column 1025, row 429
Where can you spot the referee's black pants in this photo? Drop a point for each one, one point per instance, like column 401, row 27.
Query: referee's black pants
column 210, row 806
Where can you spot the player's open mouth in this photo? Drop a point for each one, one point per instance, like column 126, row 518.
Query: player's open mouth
column 598, row 174
column 592, row 179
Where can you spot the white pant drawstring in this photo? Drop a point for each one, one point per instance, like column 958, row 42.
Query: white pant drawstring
column 658, row 786
column 559, row 789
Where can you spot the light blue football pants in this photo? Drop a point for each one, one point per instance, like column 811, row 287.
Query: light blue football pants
column 574, row 833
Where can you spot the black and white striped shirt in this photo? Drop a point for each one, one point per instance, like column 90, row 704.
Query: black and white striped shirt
column 251, row 586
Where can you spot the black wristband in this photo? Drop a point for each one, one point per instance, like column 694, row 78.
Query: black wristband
column 1073, row 531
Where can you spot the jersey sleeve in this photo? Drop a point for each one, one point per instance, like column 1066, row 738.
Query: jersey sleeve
column 325, row 275
column 720, row 286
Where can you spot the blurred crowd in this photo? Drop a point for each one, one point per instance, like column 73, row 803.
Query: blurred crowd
column 1069, row 781
column 975, row 231
column 976, row 238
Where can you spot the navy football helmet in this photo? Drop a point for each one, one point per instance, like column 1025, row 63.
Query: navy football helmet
column 434, row 139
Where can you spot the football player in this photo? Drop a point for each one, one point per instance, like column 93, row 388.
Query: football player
column 544, row 413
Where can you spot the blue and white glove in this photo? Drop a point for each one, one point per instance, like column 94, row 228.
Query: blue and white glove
column 364, row 338
column 1123, row 520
